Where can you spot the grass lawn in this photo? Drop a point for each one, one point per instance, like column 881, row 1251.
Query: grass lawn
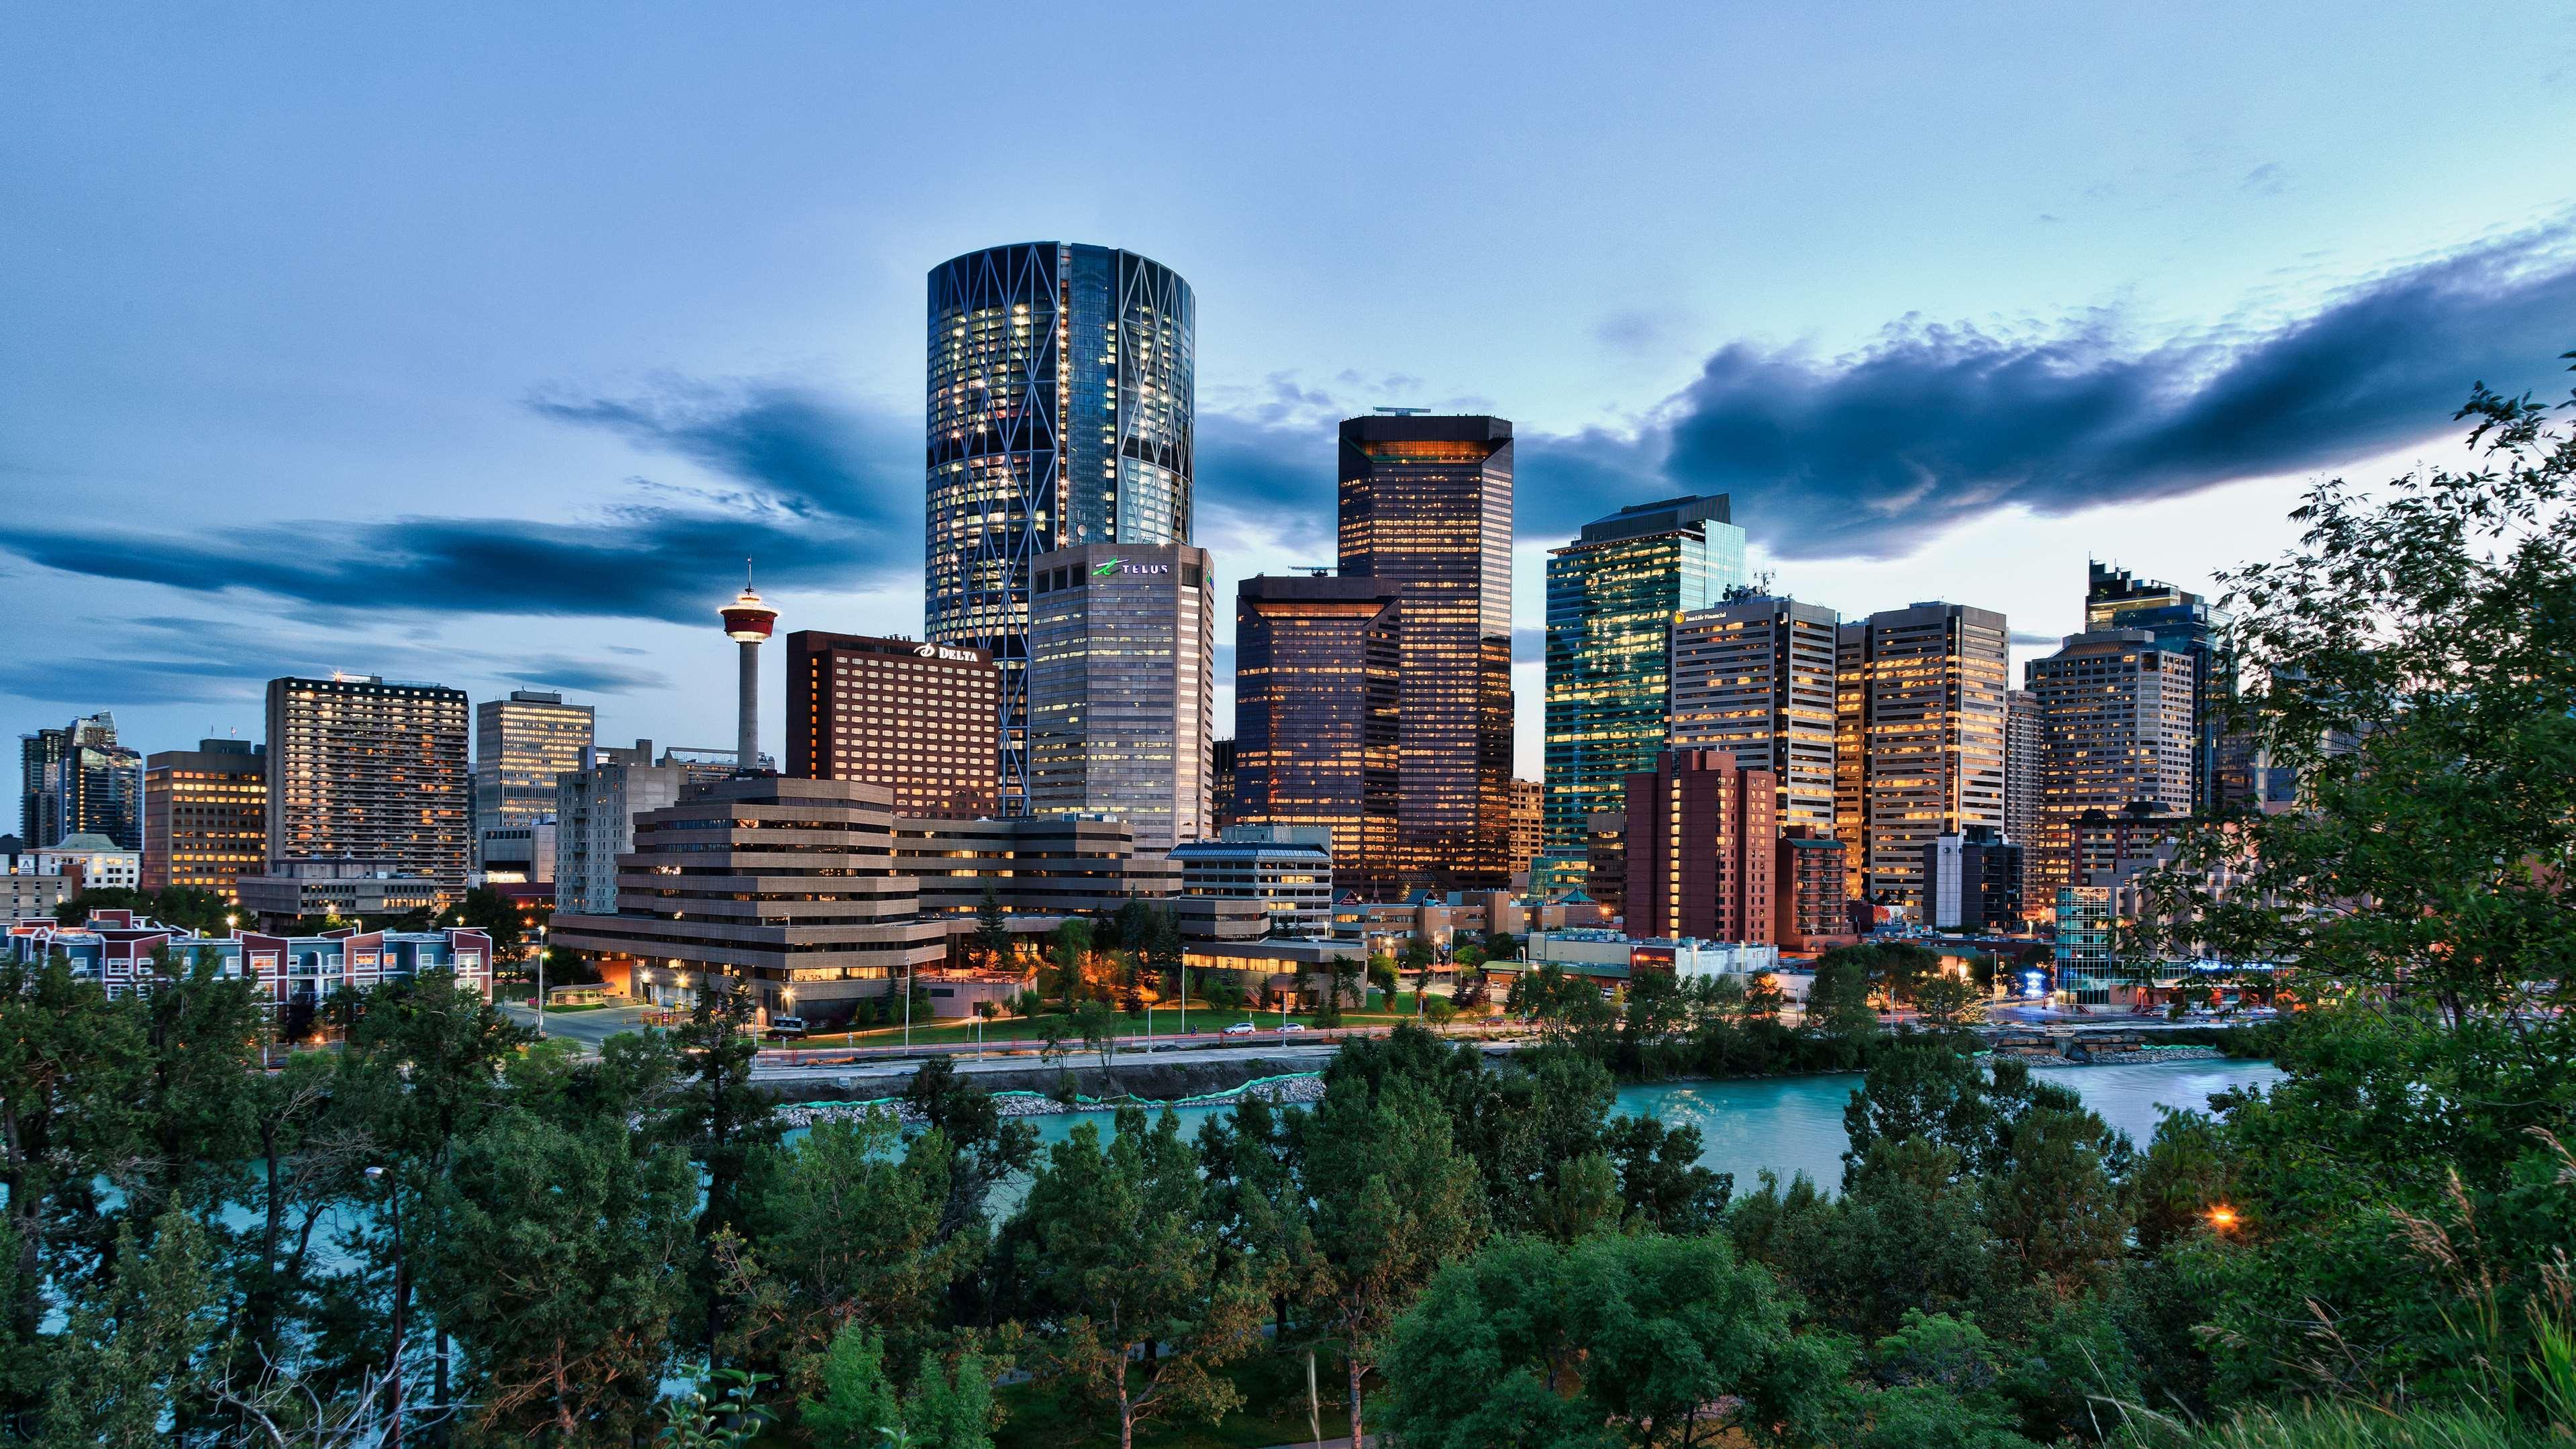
column 1274, row 1412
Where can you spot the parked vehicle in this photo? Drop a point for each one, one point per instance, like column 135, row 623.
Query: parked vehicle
column 1241, row 1028
column 787, row 1028
column 1292, row 1026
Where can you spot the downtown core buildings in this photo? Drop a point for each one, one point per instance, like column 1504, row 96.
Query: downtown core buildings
column 1061, row 393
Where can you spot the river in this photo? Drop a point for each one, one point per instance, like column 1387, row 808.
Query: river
column 1795, row 1124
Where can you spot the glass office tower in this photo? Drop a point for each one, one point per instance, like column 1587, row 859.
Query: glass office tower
column 1611, row 597
column 1316, row 665
column 1122, row 688
column 2184, row 623
column 1061, row 385
column 1426, row 506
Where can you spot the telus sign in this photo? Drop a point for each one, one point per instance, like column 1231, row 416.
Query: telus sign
column 1122, row 566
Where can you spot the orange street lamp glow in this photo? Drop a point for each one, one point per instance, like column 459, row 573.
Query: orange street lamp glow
column 2222, row 1217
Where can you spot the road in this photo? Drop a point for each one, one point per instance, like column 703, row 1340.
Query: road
column 586, row 1029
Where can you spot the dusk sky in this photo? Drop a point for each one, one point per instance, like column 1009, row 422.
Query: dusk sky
column 480, row 344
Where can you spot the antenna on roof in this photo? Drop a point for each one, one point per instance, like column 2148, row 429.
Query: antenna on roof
column 1321, row 571
column 1400, row 412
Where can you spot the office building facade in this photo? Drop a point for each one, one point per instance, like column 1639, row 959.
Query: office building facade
column 595, row 809
column 89, row 862
column 918, row 719
column 1974, row 881
column 2117, row 717
column 1288, row 869
column 2024, row 759
column 1122, row 688
column 1611, row 598
column 1062, row 384
column 1529, row 820
column 372, row 770
column 80, row 781
column 1702, row 845
column 1426, row 506
column 1755, row 677
column 1921, row 698
column 1316, row 661
column 787, row 888
column 205, row 816
column 521, row 743
column 1810, row 910
column 2190, row 627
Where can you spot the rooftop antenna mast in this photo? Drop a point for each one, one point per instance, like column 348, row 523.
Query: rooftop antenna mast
column 1400, row 412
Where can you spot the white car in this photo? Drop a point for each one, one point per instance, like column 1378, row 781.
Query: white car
column 1292, row 1026
column 1241, row 1028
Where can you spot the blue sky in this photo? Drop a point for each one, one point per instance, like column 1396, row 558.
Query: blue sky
column 478, row 343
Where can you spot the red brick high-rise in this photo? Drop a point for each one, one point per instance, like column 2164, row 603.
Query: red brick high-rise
column 1702, row 836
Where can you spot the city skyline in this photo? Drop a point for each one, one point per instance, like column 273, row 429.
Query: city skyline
column 540, row 488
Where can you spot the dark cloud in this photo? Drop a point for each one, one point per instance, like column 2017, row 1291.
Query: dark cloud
column 806, row 498
column 2036, row 638
column 1269, row 476
column 1872, row 454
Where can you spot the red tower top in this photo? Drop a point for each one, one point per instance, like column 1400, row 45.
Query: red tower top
column 747, row 618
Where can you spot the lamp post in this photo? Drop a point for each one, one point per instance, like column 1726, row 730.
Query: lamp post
column 907, row 1006
column 542, row 954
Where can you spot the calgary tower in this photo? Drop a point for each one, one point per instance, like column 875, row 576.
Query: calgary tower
column 748, row 622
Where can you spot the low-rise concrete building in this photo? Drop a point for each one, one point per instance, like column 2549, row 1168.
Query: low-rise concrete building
column 292, row 890
column 1286, row 869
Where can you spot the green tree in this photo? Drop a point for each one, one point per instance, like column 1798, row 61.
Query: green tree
column 845, row 1230
column 857, row 1406
column 1068, row 955
column 135, row 1355
column 496, row 916
column 723, row 1119
column 556, row 1256
column 1117, row 1267
column 984, row 1146
column 1617, row 1340
column 2411, row 664
column 1394, row 1199
column 992, row 931
column 1257, row 1205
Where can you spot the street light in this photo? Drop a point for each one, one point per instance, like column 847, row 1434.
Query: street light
column 542, row 954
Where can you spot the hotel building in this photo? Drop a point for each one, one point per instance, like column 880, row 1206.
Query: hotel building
column 919, row 719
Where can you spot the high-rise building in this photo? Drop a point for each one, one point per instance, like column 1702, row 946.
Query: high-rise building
column 1221, row 784
column 916, row 718
column 787, row 888
column 1810, row 912
column 2024, row 761
column 1851, row 760
column 38, row 753
column 205, row 816
column 1122, row 687
column 1703, row 842
column 520, row 744
column 1605, row 860
column 1927, row 713
column 373, row 770
column 1061, row 395
column 1315, row 666
column 1426, row 506
column 1755, row 677
column 80, row 781
column 1611, row 598
column 2116, row 724
column 1975, row 881
column 595, row 809
column 2187, row 625
column 1528, row 817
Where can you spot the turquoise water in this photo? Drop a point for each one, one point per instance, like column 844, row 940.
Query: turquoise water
column 1795, row 1124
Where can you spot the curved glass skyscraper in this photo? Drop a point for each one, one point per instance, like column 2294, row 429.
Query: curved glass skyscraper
column 1061, row 385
